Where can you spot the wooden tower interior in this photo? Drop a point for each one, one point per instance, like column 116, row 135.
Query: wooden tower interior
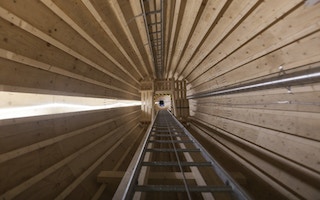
column 242, row 76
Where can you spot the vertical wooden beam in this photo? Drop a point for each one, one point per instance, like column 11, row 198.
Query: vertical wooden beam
column 136, row 8
column 107, row 30
column 189, row 16
column 173, row 32
column 219, row 32
column 208, row 19
column 115, row 6
column 54, row 8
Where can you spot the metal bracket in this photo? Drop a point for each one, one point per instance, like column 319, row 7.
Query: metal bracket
column 281, row 70
column 130, row 20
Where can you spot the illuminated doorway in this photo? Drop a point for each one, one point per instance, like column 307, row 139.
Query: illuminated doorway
column 162, row 102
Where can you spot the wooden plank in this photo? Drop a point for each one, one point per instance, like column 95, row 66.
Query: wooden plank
column 54, row 69
column 36, row 146
column 300, row 150
column 263, row 16
column 119, row 138
column 12, row 193
column 115, row 6
column 235, row 12
column 302, row 99
column 51, row 5
column 136, row 8
column 127, row 151
column 188, row 19
column 206, row 21
column 173, row 33
column 263, row 53
column 10, row 17
column 104, row 26
column 301, row 124
column 169, row 8
column 260, row 167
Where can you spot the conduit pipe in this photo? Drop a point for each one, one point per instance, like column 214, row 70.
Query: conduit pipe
column 285, row 81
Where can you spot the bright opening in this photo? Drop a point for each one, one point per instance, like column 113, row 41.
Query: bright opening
column 17, row 105
column 161, row 103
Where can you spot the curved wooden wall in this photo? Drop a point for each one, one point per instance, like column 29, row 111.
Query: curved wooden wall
column 272, row 132
column 99, row 48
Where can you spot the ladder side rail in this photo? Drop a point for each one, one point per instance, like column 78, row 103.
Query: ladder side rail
column 126, row 187
column 225, row 177
column 196, row 173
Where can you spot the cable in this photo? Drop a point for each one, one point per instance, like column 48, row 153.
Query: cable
column 178, row 160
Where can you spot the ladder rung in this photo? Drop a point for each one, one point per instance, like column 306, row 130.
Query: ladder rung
column 181, row 188
column 170, row 141
column 172, row 150
column 153, row 12
column 185, row 164
column 168, row 135
column 167, row 129
column 160, row 131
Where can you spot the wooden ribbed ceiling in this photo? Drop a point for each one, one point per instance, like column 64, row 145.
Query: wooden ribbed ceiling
column 106, row 46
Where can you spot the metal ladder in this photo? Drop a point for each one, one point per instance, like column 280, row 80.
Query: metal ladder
column 173, row 165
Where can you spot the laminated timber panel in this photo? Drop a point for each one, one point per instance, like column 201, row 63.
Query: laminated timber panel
column 99, row 30
column 211, row 13
column 147, row 105
column 60, row 38
column 124, row 15
column 23, row 78
column 254, row 22
column 169, row 8
column 298, row 123
column 117, row 161
column 137, row 10
column 303, row 151
column 229, row 18
column 190, row 13
column 303, row 99
column 174, row 33
column 282, row 125
column 181, row 102
column 33, row 130
column 279, row 173
column 290, row 43
column 76, row 22
column 62, row 30
column 59, row 148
